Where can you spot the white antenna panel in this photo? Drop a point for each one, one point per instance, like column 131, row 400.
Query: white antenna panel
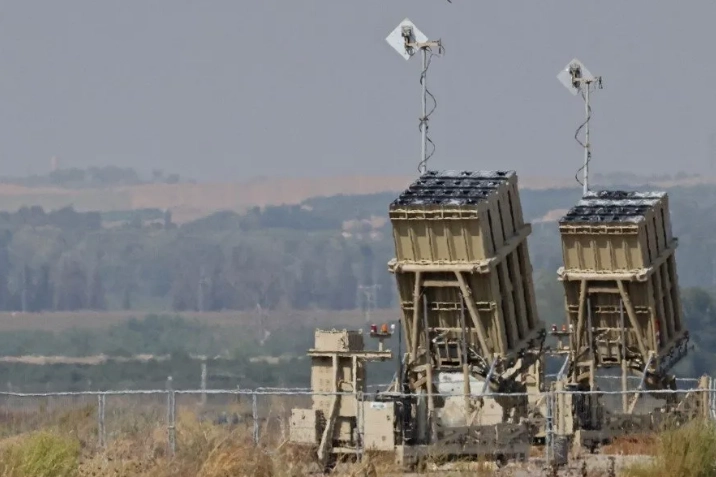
column 397, row 42
column 565, row 76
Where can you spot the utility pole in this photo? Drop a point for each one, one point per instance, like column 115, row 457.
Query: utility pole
column 202, row 289
column 369, row 297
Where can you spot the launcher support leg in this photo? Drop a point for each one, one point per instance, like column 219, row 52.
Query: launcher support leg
column 593, row 398
column 563, row 369
column 416, row 316
column 429, row 372
column 592, row 363
column 466, row 387
column 625, row 369
column 632, row 318
column 486, row 384
column 577, row 347
column 463, row 353
column 625, row 387
column 641, row 384
column 474, row 314
column 485, row 387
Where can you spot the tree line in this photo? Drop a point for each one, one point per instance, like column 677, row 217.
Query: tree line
column 313, row 255
column 96, row 176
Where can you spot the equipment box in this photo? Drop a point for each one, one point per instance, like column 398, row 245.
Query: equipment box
column 379, row 424
column 304, row 428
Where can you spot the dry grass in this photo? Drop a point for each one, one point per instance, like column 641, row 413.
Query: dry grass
column 64, row 444
column 687, row 451
column 537, row 451
column 41, row 454
column 632, row 445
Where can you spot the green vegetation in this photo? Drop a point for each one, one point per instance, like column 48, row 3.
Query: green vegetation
column 237, row 357
column 64, row 443
column 687, row 451
column 185, row 372
column 154, row 334
column 136, row 216
column 312, row 255
column 105, row 176
column 302, row 257
column 42, row 454
column 242, row 351
column 172, row 340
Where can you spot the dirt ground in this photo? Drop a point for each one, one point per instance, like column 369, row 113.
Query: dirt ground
column 594, row 465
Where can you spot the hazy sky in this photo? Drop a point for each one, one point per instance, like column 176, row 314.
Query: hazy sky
column 234, row 89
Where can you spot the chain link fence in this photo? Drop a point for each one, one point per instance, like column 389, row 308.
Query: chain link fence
column 173, row 421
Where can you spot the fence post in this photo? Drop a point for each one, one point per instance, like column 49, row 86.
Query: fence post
column 171, row 417
column 549, row 436
column 710, row 398
column 255, row 412
column 360, row 398
column 203, row 381
column 101, row 401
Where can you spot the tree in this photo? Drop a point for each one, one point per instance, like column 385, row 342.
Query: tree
column 71, row 289
column 385, row 296
column 4, row 272
column 168, row 219
column 344, row 285
column 27, row 292
column 97, row 299
column 43, row 298
column 219, row 290
column 127, row 299
column 367, row 265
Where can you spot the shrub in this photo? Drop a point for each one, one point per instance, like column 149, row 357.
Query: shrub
column 688, row 451
column 40, row 454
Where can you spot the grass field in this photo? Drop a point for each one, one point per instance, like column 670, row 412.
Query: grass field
column 190, row 201
column 64, row 442
column 60, row 438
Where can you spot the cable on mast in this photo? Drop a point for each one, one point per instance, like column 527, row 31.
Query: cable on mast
column 577, row 79
column 406, row 39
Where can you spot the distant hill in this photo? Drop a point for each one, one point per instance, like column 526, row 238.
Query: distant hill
column 188, row 201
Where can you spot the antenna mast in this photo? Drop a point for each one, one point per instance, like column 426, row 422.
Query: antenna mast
column 406, row 39
column 577, row 79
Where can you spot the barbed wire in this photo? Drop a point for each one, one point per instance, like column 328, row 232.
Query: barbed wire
column 309, row 392
column 259, row 419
